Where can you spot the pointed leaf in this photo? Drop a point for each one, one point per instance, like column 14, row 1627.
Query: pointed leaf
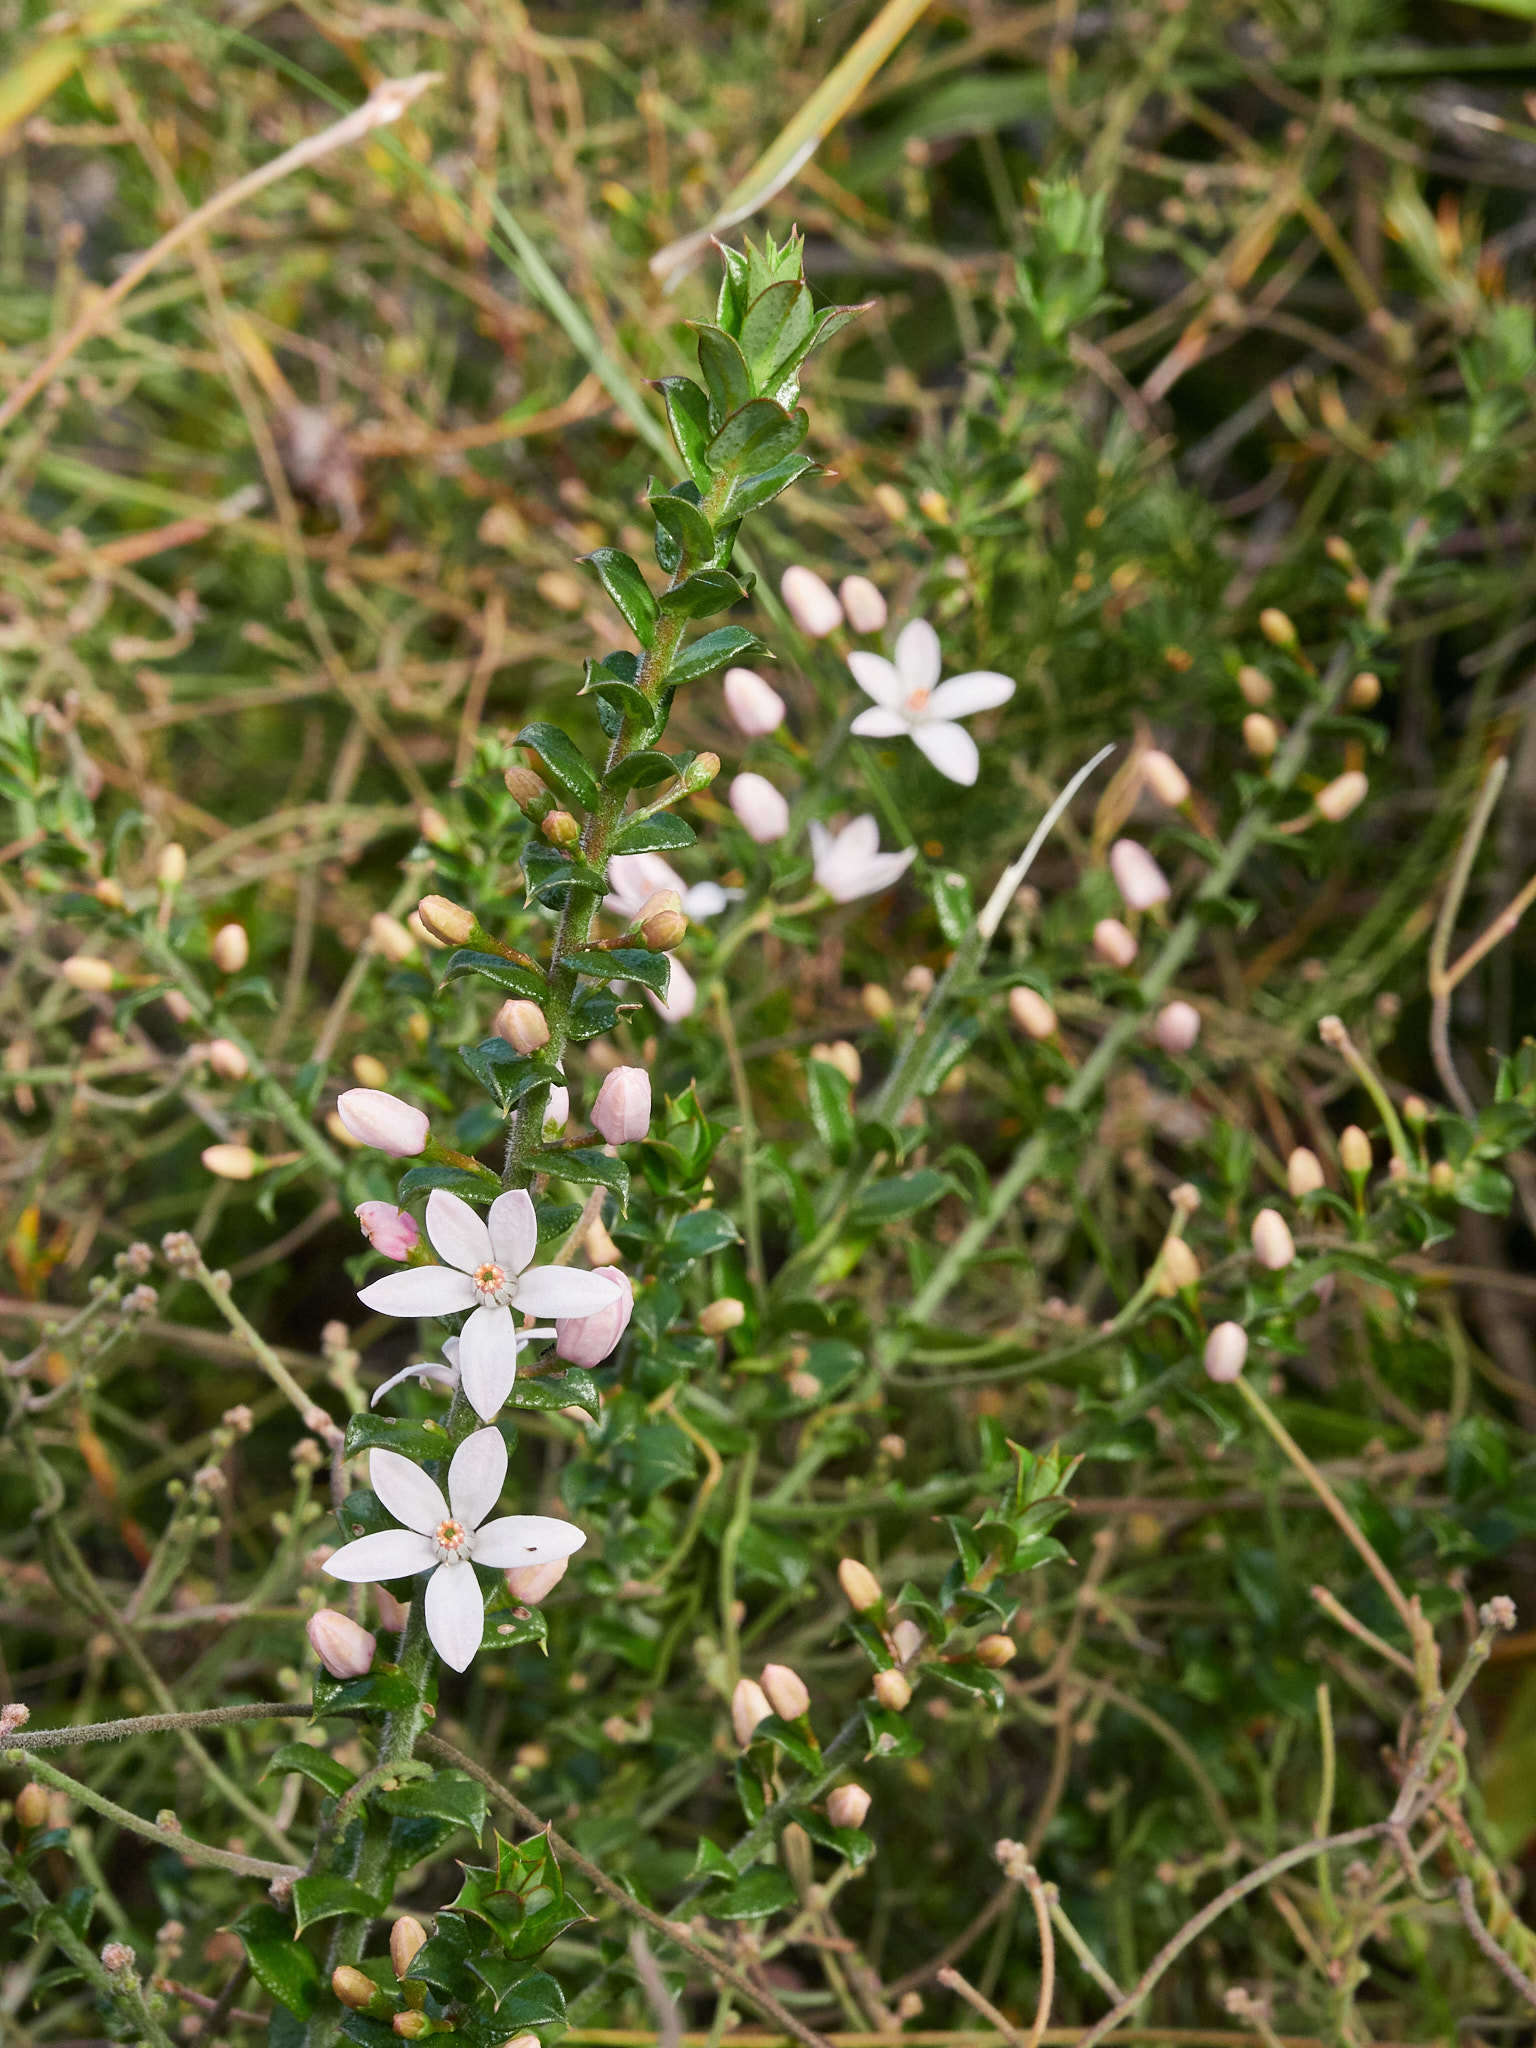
column 726, row 375
column 325, row 1895
column 588, row 1167
column 712, row 651
column 659, row 834
column 753, row 1897
column 317, row 1765
column 418, row 1441
column 620, row 576
column 641, row 770
column 757, row 437
column 561, row 762
column 283, row 1967
column 446, row 1795
column 777, row 329
column 686, row 524
column 688, row 417
column 517, row 981
column 753, row 492
column 624, row 963
column 702, row 594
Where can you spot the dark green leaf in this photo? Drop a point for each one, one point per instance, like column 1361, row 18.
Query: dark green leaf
column 470, row 1187
column 446, row 1795
column 751, row 493
column 640, row 770
column 624, row 963
column 851, row 1843
column 714, row 650
column 753, row 1897
column 757, row 438
column 686, row 524
column 282, row 1966
column 523, row 1998
column 593, row 1012
column 726, row 375
column 688, row 417
column 385, row 1689
column 777, row 329
column 699, row 1233
column 507, row 1630
column 572, row 1388
column 702, row 594
column 831, row 1110
column 561, row 763
column 656, row 834
column 518, row 981
column 503, row 1073
column 417, row 1441
column 317, row 1765
column 325, row 1895
column 710, row 1862
column 588, row 1167
column 549, row 874
column 886, row 1201
column 790, row 1741
column 620, row 576
column 952, row 901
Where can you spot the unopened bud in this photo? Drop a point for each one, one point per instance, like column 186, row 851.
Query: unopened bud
column 1442, row 1177
column 761, row 808
column 108, row 892
column 389, row 1230
column 530, row 1583
column 227, row 1060
column 1499, row 1612
column 1261, row 735
column 1031, row 1013
column 88, row 974
column 1336, row 799
column 810, row 602
column 232, row 1162
column 786, row 1692
column 1113, row 942
column 996, row 1651
column 1177, row 1027
column 863, row 605
column 433, row 826
column 934, row 505
column 749, row 1707
column 875, row 1002
column 522, row 1024
column 406, row 1940
column 1138, row 877
column 355, row 1991
column 700, row 772
column 390, row 939
column 755, row 706
column 1165, row 778
column 448, row 922
column 344, row 1647
column 861, row 1589
column 1303, row 1173
column 413, row 2025
column 368, row 1071
column 725, row 1314
column 663, row 930
column 892, row 1690
column 524, row 787
column 31, row 1806
column 906, row 1640
column 848, row 1805
column 383, row 1121
column 1226, row 1352
column 1364, row 691
column 1177, row 1267
column 622, row 1111
column 561, row 829
column 171, row 868
column 1354, row 1151
column 1415, row 1112
column 844, row 1057
column 1273, row 1246
column 231, row 948
column 117, row 1958
column 1256, row 687
column 1276, row 627
column 1333, row 1031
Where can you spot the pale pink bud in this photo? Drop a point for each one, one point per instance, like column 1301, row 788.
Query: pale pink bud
column 175, row 1002
column 389, row 937
column 1226, row 1351
column 1270, row 1236
column 1112, row 942
column 810, row 602
column 847, row 1806
column 1261, row 735
column 232, row 1162
column 622, row 1111
column 227, row 1060
column 448, row 922
column 389, row 1230
column 530, row 1583
column 171, row 868
column 786, row 1692
column 760, row 808
column 725, row 1314
column 755, row 706
column 1031, row 1012
column 863, row 605
column 861, row 1589
column 1165, row 778
column 1303, row 1173
column 906, row 1639
column 995, row 1651
column 407, row 1938
column 842, row 1054
column 1354, row 1150
column 587, row 1340
column 90, row 975
column 345, row 1649
column 1344, row 794
column 231, row 948
column 1138, row 877
column 1276, row 627
column 383, row 1121
column 749, row 1706
column 1256, row 687
column 1177, row 1027
column 1177, row 1267
column 522, row 1024
column 892, row 1690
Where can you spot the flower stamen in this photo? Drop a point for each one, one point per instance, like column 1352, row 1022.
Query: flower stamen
column 452, row 1540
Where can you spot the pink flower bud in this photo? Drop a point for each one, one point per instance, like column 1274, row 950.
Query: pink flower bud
column 1165, row 778
column 1226, row 1351
column 760, row 808
column 1354, row 1151
column 861, row 1589
column 786, row 1693
column 863, row 605
column 755, row 706
column 725, row 1314
column 232, row 1162
column 622, row 1111
column 587, row 1340
column 389, row 938
column 1177, row 1027
column 1031, row 1012
column 522, row 1024
column 383, row 1121
column 90, row 975
column 531, row 1583
column 231, row 948
column 847, row 1806
column 906, row 1639
column 389, row 1230
column 810, row 602
column 892, row 1690
column 1261, row 735
column 749, row 1706
column 1303, row 1173
column 227, row 1060
column 1270, row 1236
column 1112, row 942
column 1138, row 877
column 1344, row 794
column 345, row 1649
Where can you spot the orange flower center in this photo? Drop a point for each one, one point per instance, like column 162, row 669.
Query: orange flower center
column 917, row 700
column 489, row 1280
column 450, row 1538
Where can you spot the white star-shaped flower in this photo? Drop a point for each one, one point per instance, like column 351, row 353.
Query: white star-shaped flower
column 910, row 700
column 488, row 1270
column 849, row 864
column 448, row 1537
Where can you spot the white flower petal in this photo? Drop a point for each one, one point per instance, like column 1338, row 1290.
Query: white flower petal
column 455, row 1614
column 488, row 1360
column 563, row 1291
column 476, row 1476
column 707, row 899
column 950, row 748
column 514, row 1230
column 420, row 1291
column 821, row 842
column 983, row 689
column 458, row 1233
column 451, row 1350
column 860, row 839
column 526, row 1539
column 879, row 724
column 420, row 1373
column 876, row 677
column 406, row 1491
column 392, row 1554
column 918, row 660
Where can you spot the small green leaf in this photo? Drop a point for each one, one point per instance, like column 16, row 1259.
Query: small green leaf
column 573, row 1388
column 562, row 763
column 588, row 1167
column 317, row 1765
column 506, row 1630
column 758, row 437
column 831, row 1108
column 283, row 1967
column 469, row 1187
column 686, row 524
column 702, row 594
column 641, row 770
column 549, row 874
column 623, row 963
column 593, row 1012
column 750, row 494
column 699, row 1233
column 886, row 1201
column 621, row 578
column 385, row 1689
column 952, row 901
column 446, row 1795
column 325, row 1895
column 688, row 417
column 777, row 329
column 503, row 1073
column 753, row 1897
column 714, row 650
column 517, row 981
column 658, row 833
column 726, row 375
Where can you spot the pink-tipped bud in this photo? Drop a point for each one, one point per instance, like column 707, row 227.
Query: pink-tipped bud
column 996, row 1651
column 760, row 807
column 1336, row 799
column 560, row 828
column 848, row 1805
column 91, row 976
column 1113, row 942
column 725, row 1314
column 1354, row 1151
column 588, row 1340
column 407, row 1938
column 755, row 706
column 892, row 1690
column 389, row 1230
column 345, row 1649
column 749, row 1707
column 861, row 1589
column 530, row 1583
column 810, row 603
column 231, row 948
column 661, row 921
column 1226, row 1352
column 383, row 1121
column 448, row 922
column 1303, row 1173
column 1273, row 1245
column 522, row 1024
column 1177, row 1027
column 232, row 1162
column 1261, row 735
column 622, row 1111
column 1031, row 1013
column 906, row 1640
column 523, row 786
column 353, row 1988
column 786, row 1692
column 1138, row 877
column 1165, row 778
column 863, row 605
column 390, row 939
column 227, row 1060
